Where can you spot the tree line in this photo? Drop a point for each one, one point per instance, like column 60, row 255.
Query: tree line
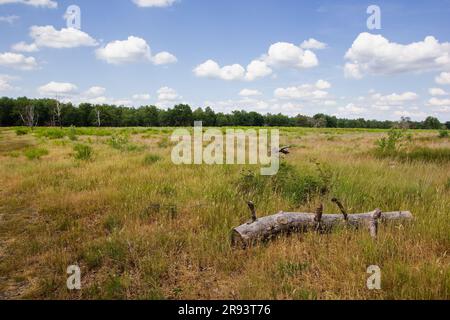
column 50, row 112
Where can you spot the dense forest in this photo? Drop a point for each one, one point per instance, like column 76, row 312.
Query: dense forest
column 50, row 112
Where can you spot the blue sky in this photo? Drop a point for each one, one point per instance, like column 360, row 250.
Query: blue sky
column 233, row 54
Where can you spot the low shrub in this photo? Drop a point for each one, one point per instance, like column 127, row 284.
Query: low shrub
column 96, row 132
column 35, row 153
column 396, row 146
column 121, row 143
column 82, row 152
column 72, row 134
column 151, row 159
column 117, row 142
column 51, row 133
column 443, row 134
column 164, row 143
column 297, row 187
column 22, row 131
column 390, row 144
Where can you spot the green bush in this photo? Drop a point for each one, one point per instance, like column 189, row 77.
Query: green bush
column 82, row 152
column 164, row 143
column 391, row 143
column 297, row 187
column 51, row 133
column 36, row 153
column 151, row 159
column 72, row 134
column 443, row 134
column 118, row 142
column 121, row 143
column 22, row 131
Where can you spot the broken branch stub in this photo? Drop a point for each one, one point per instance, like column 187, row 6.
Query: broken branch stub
column 252, row 208
column 373, row 224
column 268, row 227
column 341, row 207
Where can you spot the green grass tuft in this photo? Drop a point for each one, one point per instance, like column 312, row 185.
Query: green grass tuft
column 83, row 152
column 151, row 159
column 22, row 131
column 36, row 153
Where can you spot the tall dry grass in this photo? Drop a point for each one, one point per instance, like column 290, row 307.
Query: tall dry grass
column 142, row 228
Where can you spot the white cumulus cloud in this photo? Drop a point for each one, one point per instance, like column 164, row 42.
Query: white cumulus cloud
column 95, row 91
column 289, row 55
column 443, row 78
column 154, row 3
column 134, row 49
column 257, row 69
column 56, row 88
column 305, row 91
column 322, row 84
column 17, row 61
column 375, row 55
column 164, row 58
column 25, row 47
column 439, row 102
column 249, row 93
column 437, row 92
column 396, row 99
column 35, row 3
column 280, row 54
column 313, row 44
column 167, row 94
column 211, row 69
column 5, row 82
column 48, row 36
column 351, row 110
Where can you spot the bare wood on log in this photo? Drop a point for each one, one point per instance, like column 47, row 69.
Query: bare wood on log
column 373, row 226
column 268, row 227
column 318, row 217
column 252, row 208
column 319, row 213
column 341, row 207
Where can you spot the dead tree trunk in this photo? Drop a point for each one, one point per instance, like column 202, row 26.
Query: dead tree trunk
column 57, row 113
column 285, row 222
column 99, row 121
column 29, row 116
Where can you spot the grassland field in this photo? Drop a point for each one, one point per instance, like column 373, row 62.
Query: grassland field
column 111, row 201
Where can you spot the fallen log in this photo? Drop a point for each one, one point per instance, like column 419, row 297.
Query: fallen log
column 265, row 228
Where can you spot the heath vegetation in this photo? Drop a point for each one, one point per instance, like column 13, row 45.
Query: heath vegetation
column 111, row 201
